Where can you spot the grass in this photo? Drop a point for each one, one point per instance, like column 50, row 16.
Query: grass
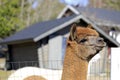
column 4, row 74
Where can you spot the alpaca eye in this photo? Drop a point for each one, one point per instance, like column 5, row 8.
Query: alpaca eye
column 83, row 40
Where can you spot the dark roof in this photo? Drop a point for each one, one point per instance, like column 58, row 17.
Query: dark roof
column 42, row 29
column 100, row 14
column 36, row 30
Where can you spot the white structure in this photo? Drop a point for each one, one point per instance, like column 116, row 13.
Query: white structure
column 118, row 38
column 56, row 52
column 115, row 64
column 98, row 63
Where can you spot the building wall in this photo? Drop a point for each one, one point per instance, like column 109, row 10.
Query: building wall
column 44, row 52
column 22, row 54
column 55, row 52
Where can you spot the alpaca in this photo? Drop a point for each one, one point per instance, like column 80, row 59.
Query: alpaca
column 82, row 44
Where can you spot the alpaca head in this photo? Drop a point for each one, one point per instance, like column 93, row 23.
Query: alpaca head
column 85, row 41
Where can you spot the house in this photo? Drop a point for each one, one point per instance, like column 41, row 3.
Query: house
column 99, row 16
column 105, row 19
column 44, row 43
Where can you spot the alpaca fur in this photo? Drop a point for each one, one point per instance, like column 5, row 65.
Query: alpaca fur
column 82, row 45
column 34, row 77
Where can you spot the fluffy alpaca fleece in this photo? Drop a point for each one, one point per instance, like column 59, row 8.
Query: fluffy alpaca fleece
column 34, row 73
column 82, row 45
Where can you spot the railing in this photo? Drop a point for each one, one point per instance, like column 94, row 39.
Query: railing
column 11, row 67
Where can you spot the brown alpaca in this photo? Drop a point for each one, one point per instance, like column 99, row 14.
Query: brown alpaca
column 34, row 77
column 82, row 45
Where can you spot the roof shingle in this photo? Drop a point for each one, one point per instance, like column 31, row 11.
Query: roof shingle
column 35, row 30
column 100, row 14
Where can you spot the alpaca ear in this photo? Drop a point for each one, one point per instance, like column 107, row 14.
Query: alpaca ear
column 73, row 32
column 89, row 26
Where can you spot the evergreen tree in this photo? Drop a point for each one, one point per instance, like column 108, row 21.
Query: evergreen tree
column 9, row 13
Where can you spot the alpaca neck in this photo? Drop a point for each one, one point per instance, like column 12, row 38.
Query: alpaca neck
column 74, row 68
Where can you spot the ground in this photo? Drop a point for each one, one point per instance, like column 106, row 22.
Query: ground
column 2, row 63
column 4, row 74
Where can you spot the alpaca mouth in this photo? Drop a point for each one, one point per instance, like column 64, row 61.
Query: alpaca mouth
column 101, row 45
column 99, row 48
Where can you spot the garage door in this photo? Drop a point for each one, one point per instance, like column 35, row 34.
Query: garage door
column 24, row 54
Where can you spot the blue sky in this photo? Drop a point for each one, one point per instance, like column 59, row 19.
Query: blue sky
column 82, row 3
column 75, row 2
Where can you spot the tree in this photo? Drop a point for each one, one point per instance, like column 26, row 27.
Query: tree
column 9, row 17
column 18, row 14
column 112, row 4
column 109, row 4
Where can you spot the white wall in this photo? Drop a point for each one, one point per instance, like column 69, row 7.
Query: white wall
column 115, row 63
column 55, row 52
column 97, row 64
